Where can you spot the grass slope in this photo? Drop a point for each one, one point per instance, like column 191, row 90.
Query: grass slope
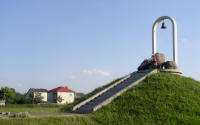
column 160, row 99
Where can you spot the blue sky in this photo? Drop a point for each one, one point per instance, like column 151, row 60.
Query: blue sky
column 87, row 43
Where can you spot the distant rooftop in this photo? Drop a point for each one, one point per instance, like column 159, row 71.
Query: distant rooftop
column 61, row 89
column 38, row 90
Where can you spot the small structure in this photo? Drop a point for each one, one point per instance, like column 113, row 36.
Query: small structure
column 174, row 34
column 79, row 95
column 33, row 92
column 170, row 66
column 2, row 102
column 157, row 60
column 61, row 95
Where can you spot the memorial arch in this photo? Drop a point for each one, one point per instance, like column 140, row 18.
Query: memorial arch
column 174, row 35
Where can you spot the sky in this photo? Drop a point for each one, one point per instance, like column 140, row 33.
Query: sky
column 84, row 44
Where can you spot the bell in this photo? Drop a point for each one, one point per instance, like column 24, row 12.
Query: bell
column 163, row 26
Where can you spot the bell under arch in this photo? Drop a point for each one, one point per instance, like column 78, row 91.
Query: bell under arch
column 174, row 35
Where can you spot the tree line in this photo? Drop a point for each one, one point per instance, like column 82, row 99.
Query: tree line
column 11, row 96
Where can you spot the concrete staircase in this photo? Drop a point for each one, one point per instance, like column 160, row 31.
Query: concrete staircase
column 107, row 95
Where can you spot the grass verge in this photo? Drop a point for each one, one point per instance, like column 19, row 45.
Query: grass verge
column 32, row 108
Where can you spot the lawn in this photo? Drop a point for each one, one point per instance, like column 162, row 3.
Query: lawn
column 71, row 120
column 32, row 108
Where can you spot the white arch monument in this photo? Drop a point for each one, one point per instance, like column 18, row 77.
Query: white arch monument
column 174, row 34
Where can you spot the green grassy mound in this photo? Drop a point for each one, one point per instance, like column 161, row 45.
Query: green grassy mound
column 160, row 99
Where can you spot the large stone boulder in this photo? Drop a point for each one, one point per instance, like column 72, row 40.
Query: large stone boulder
column 155, row 62
column 170, row 65
column 159, row 57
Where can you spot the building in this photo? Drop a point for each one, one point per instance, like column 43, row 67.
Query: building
column 79, row 95
column 2, row 103
column 61, row 95
column 34, row 92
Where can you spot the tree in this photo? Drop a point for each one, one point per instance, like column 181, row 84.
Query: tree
column 38, row 98
column 59, row 99
column 35, row 97
column 19, row 98
column 11, row 96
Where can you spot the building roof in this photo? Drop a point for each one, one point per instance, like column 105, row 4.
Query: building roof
column 61, row 89
column 38, row 90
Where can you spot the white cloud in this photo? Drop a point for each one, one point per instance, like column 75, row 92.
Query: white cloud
column 97, row 72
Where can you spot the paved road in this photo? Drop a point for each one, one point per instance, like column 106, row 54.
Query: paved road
column 55, row 115
column 47, row 115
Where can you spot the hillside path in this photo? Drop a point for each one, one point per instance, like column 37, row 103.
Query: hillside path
column 46, row 115
column 55, row 115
